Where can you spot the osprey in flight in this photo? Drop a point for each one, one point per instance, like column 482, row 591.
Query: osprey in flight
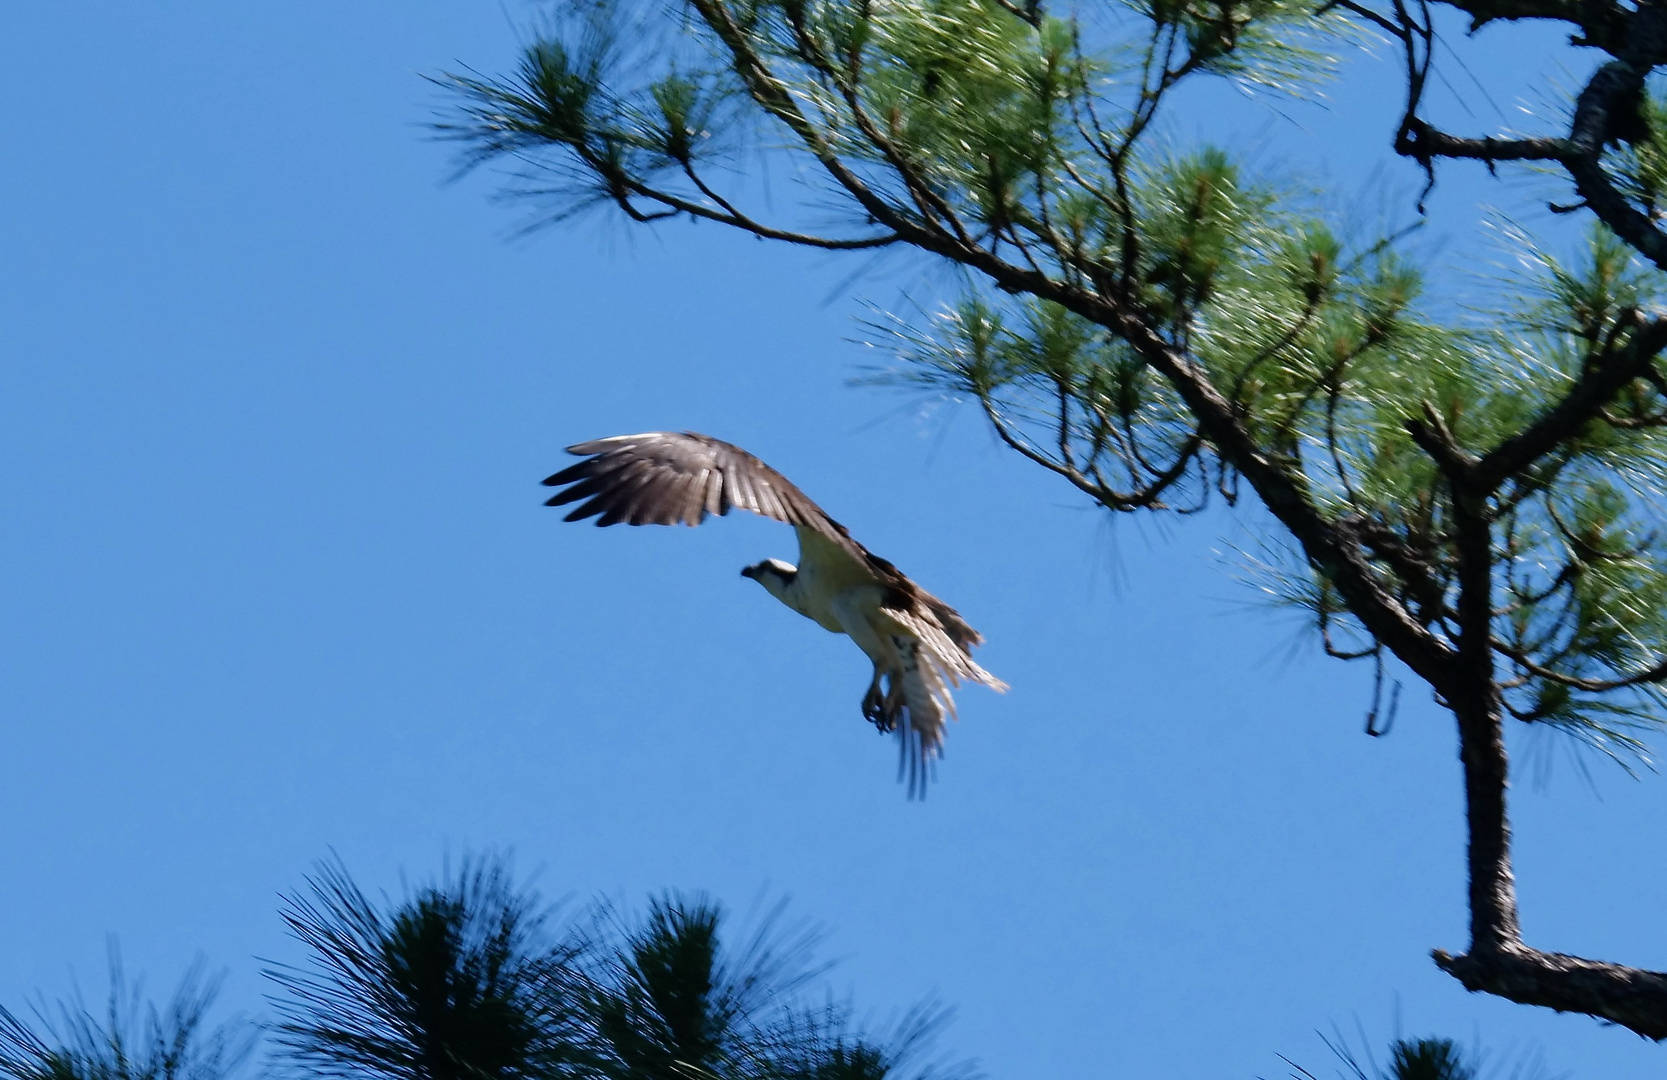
column 919, row 645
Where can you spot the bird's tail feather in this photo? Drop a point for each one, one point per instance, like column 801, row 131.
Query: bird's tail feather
column 956, row 665
column 917, row 702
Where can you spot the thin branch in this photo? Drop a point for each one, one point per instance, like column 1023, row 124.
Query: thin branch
column 1655, row 674
column 1147, row 497
column 1421, row 141
column 735, row 218
column 1583, row 403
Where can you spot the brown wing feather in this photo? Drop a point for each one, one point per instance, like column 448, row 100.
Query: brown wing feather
column 672, row 477
column 912, row 595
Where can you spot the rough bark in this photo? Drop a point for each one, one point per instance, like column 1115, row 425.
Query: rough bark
column 1630, row 997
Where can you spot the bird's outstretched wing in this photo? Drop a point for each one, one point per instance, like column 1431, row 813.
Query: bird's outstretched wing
column 678, row 478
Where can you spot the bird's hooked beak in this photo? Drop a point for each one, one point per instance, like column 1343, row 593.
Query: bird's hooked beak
column 750, row 572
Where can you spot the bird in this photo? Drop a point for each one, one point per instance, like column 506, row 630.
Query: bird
column 920, row 647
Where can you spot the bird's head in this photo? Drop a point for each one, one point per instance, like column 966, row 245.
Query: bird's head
column 773, row 574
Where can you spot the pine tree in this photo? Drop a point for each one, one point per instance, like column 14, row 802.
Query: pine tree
column 473, row 978
column 133, row 1039
column 1476, row 501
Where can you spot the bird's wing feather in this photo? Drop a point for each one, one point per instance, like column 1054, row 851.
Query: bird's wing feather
column 927, row 663
column 921, row 727
column 679, row 477
column 938, row 648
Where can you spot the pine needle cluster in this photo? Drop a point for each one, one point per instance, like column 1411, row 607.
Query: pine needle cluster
column 473, row 978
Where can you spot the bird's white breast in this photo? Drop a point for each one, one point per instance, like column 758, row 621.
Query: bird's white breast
column 813, row 594
column 831, row 585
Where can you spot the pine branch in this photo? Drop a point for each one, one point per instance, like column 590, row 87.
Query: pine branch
column 1581, row 405
column 1631, row 997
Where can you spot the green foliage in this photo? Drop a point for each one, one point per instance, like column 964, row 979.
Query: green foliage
column 563, row 94
column 456, row 982
column 976, row 99
column 1641, row 165
column 1426, row 1058
column 472, row 978
column 133, row 1040
column 664, row 998
column 1276, row 44
column 1583, row 565
column 992, row 111
column 1328, row 359
column 1198, row 220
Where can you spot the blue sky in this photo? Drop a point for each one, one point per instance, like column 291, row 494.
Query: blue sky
column 273, row 406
